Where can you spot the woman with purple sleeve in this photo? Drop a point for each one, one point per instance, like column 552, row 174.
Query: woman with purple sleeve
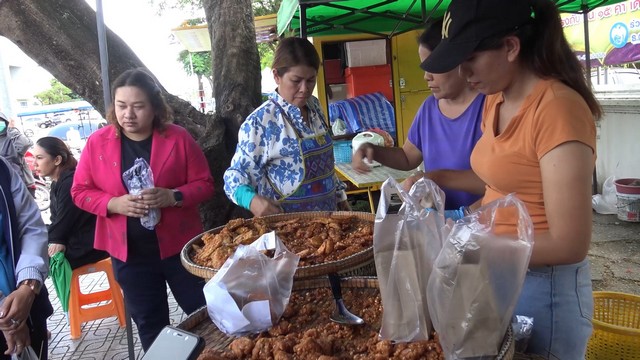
column 443, row 134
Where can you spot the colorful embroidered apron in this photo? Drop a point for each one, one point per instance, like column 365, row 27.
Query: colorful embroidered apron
column 317, row 191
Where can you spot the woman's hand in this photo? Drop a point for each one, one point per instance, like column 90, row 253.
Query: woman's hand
column 262, row 206
column 158, row 198
column 365, row 151
column 408, row 182
column 344, row 206
column 128, row 205
column 17, row 339
column 56, row 248
column 15, row 309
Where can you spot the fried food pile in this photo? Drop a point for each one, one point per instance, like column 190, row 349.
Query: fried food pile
column 315, row 240
column 305, row 332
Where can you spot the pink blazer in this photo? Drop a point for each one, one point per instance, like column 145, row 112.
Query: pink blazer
column 177, row 162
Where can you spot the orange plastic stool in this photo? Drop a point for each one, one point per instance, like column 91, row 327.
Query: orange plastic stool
column 80, row 313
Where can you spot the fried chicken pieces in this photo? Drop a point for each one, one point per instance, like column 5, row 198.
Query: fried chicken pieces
column 315, row 240
column 305, row 332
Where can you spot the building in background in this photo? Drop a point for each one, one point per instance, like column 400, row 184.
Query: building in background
column 20, row 79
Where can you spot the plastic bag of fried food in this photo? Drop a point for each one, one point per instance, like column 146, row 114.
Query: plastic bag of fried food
column 257, row 279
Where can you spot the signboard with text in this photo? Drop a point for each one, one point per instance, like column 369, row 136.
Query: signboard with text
column 614, row 33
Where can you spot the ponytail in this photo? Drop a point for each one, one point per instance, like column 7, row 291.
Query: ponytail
column 546, row 51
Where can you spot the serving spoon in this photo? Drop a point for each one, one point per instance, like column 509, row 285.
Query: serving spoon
column 341, row 315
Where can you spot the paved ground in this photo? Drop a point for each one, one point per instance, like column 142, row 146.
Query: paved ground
column 615, row 247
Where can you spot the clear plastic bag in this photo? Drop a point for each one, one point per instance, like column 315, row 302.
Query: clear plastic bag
column 406, row 241
column 138, row 178
column 477, row 278
column 251, row 291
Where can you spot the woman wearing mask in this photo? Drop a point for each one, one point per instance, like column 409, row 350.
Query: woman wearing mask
column 145, row 260
column 442, row 135
column 538, row 142
column 72, row 230
column 284, row 158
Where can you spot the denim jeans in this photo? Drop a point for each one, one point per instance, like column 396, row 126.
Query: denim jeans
column 560, row 300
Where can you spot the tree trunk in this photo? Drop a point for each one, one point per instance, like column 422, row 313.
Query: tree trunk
column 236, row 78
column 61, row 36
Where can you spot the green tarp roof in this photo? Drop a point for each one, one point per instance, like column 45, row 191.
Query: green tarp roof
column 379, row 17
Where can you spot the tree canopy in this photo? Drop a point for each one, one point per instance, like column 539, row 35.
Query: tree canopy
column 57, row 94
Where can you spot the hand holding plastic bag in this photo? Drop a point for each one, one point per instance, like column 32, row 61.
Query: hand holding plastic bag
column 251, row 291
column 27, row 354
column 477, row 278
column 406, row 242
column 138, row 178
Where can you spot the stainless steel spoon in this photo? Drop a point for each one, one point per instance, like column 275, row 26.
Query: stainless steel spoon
column 341, row 315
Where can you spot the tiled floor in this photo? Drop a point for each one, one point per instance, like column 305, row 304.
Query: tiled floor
column 101, row 339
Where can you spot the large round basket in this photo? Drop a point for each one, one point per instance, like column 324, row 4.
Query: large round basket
column 200, row 324
column 358, row 264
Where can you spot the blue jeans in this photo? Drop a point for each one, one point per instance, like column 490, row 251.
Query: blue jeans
column 560, row 300
column 144, row 284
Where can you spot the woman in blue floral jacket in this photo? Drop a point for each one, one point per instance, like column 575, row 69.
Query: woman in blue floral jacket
column 284, row 158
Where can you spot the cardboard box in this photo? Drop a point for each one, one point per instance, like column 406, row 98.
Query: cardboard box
column 338, row 91
column 366, row 52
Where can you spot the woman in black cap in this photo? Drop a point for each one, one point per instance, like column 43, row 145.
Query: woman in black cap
column 539, row 141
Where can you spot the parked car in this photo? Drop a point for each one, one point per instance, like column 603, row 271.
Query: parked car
column 28, row 124
column 64, row 117
column 84, row 127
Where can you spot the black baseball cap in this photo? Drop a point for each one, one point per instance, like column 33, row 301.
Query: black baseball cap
column 467, row 22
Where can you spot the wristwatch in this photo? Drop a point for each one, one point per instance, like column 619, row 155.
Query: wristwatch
column 177, row 196
column 33, row 284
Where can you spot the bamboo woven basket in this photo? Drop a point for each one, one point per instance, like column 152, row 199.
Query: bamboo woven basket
column 200, row 324
column 358, row 264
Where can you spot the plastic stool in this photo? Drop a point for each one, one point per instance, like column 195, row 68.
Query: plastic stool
column 79, row 313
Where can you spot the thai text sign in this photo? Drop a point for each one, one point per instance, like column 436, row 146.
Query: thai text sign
column 614, row 33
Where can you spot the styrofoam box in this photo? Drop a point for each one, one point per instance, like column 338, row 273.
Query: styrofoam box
column 366, row 52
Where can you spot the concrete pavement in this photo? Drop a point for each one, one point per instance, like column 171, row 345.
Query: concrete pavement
column 615, row 254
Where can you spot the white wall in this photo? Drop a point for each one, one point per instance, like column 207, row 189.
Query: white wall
column 618, row 143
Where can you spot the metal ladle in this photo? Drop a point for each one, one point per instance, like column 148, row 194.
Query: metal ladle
column 341, row 315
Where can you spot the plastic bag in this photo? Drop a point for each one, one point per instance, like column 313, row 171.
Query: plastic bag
column 138, row 178
column 251, row 290
column 477, row 278
column 607, row 203
column 406, row 241
column 522, row 329
column 339, row 127
column 27, row 354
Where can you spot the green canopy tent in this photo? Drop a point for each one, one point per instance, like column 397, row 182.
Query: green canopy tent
column 384, row 18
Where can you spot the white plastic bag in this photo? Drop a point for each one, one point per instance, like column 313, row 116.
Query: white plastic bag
column 406, row 242
column 339, row 127
column 27, row 354
column 477, row 278
column 138, row 178
column 251, row 290
column 608, row 201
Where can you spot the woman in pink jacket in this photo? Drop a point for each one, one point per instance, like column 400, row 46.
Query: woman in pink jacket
column 145, row 260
